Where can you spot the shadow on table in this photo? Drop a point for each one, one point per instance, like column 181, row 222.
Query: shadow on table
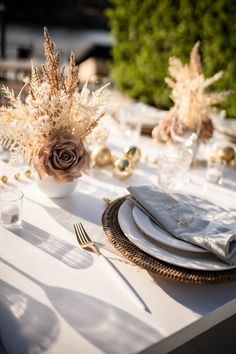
column 200, row 298
column 26, row 325
column 75, row 206
column 105, row 175
column 66, row 253
column 107, row 327
column 79, row 205
column 66, row 216
column 229, row 185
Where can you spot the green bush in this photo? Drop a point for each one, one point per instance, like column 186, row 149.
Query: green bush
column 146, row 33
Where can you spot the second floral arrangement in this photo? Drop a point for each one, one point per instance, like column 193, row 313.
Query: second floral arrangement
column 193, row 103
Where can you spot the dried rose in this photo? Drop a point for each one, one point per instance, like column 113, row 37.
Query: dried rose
column 163, row 131
column 63, row 156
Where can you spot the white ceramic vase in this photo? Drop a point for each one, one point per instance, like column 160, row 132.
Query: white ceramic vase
column 55, row 189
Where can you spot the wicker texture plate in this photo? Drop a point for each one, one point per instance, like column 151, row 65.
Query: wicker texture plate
column 131, row 252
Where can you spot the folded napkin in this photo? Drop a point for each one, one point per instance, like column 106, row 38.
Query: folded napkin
column 191, row 219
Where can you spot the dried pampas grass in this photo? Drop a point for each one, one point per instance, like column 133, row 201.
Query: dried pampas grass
column 189, row 85
column 192, row 102
column 53, row 105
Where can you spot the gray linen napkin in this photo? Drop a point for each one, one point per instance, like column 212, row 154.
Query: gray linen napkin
column 189, row 218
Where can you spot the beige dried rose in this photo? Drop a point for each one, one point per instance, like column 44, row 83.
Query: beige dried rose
column 63, row 156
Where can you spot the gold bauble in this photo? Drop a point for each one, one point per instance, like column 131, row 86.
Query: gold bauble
column 27, row 173
column 226, row 154
column 4, row 179
column 16, row 176
column 133, row 153
column 101, row 156
column 122, row 168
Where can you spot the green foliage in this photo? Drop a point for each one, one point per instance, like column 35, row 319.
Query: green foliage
column 146, row 33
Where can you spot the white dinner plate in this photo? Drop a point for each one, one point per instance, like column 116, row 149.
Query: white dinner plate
column 190, row 260
column 151, row 229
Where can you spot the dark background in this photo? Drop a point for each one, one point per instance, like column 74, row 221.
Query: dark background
column 87, row 14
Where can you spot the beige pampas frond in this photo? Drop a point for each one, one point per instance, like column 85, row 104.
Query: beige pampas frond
column 53, row 105
column 189, row 84
column 51, row 70
column 192, row 102
column 72, row 79
column 195, row 65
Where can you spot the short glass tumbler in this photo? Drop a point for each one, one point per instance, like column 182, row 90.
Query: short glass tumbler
column 11, row 203
column 172, row 168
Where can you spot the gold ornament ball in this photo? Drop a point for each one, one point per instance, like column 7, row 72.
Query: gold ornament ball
column 133, row 153
column 16, row 176
column 122, row 168
column 101, row 156
column 27, row 173
column 4, row 179
column 226, row 154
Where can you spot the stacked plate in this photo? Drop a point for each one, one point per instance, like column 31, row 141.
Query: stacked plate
column 153, row 240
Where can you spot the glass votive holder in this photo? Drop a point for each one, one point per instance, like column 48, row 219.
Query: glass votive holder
column 130, row 124
column 11, row 203
column 214, row 171
column 173, row 165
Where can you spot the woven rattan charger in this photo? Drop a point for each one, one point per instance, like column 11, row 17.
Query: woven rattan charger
column 131, row 252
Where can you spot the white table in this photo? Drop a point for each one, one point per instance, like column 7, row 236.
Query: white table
column 57, row 298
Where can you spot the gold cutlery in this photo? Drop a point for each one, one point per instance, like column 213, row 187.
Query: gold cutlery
column 85, row 242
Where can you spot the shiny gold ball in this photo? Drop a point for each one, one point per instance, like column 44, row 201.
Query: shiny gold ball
column 101, row 156
column 16, row 176
column 4, row 179
column 122, row 168
column 226, row 154
column 133, row 153
column 27, row 173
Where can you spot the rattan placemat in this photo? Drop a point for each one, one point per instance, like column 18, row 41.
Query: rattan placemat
column 144, row 260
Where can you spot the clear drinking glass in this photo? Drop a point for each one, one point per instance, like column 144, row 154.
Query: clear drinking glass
column 11, row 203
column 172, row 167
column 130, row 124
column 186, row 135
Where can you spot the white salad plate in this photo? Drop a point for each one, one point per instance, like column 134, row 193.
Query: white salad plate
column 151, row 229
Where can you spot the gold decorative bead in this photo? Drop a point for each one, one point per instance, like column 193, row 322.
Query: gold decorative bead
column 16, row 176
column 133, row 153
column 154, row 161
column 101, row 156
column 4, row 179
column 226, row 154
column 122, row 168
column 27, row 173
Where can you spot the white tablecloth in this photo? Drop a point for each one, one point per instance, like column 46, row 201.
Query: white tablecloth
column 57, row 298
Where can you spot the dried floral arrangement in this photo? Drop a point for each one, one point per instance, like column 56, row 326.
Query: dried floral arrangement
column 49, row 128
column 191, row 100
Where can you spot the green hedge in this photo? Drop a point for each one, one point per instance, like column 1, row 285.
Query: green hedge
column 146, row 33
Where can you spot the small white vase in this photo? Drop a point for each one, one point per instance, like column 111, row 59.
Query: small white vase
column 54, row 189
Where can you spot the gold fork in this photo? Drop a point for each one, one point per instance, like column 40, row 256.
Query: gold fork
column 84, row 239
column 85, row 242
